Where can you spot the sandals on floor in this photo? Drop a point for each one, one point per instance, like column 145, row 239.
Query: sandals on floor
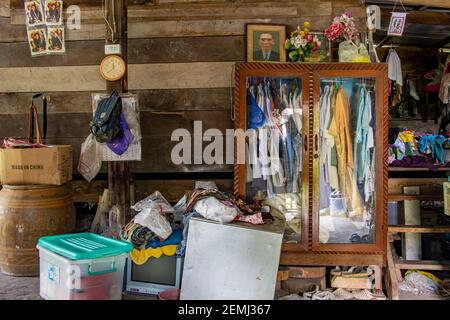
column 342, row 294
column 323, row 295
column 365, row 294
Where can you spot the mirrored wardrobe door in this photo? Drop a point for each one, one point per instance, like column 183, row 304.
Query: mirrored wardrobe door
column 345, row 120
column 274, row 173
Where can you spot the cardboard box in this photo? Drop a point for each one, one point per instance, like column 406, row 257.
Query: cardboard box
column 51, row 165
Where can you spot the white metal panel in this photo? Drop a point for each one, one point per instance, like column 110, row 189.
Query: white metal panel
column 231, row 261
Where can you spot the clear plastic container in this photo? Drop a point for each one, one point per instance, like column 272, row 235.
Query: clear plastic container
column 88, row 279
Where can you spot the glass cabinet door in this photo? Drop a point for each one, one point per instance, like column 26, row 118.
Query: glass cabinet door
column 274, row 159
column 346, row 161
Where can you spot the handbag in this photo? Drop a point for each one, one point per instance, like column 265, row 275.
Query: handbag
column 105, row 126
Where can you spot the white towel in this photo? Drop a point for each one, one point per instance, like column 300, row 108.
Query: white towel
column 394, row 67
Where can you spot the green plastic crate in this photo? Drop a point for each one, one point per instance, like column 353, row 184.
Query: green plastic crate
column 81, row 246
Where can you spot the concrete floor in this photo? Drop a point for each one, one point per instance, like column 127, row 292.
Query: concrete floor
column 24, row 288
column 15, row 288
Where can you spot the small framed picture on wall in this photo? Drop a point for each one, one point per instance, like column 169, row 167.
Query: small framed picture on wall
column 265, row 43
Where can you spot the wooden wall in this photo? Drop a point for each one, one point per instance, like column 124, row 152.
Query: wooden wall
column 181, row 54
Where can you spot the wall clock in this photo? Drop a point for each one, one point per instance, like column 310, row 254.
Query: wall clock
column 113, row 68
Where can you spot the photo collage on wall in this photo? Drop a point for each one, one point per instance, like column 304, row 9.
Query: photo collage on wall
column 45, row 27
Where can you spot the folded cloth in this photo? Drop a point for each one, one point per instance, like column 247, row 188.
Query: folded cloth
column 253, row 219
column 417, row 162
column 174, row 238
column 11, row 143
column 140, row 257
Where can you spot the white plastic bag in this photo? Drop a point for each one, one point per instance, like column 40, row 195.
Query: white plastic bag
column 152, row 214
column 351, row 52
column 155, row 200
column 90, row 160
column 155, row 221
column 213, row 209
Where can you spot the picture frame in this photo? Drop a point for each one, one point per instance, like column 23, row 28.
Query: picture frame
column 397, row 24
column 53, row 12
column 265, row 42
column 37, row 41
column 34, row 13
column 56, row 40
column 323, row 53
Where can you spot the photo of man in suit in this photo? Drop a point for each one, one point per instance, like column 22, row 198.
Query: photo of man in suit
column 37, row 41
column 267, row 48
column 54, row 12
column 55, row 40
column 34, row 13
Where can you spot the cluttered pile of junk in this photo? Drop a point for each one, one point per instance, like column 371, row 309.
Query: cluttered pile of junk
column 148, row 254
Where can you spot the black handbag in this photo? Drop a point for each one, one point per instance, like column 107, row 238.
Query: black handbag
column 105, row 125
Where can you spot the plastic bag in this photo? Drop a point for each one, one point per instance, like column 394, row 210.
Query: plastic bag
column 90, row 159
column 213, row 209
column 155, row 221
column 419, row 284
column 155, row 200
column 120, row 144
column 351, row 52
column 155, row 213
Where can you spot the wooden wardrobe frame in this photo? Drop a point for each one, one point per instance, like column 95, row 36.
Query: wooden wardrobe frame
column 310, row 251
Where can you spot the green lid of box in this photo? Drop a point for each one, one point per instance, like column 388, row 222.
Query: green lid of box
column 81, row 246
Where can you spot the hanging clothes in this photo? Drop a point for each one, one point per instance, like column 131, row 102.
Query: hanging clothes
column 325, row 189
column 344, row 148
column 395, row 76
column 364, row 138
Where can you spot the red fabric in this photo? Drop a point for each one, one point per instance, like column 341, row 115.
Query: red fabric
column 11, row 143
column 430, row 88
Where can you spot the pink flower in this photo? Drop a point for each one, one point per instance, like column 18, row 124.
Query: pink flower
column 334, row 31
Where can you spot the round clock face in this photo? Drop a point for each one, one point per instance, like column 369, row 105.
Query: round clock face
column 112, row 68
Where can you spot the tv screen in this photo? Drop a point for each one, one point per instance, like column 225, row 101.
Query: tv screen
column 158, row 271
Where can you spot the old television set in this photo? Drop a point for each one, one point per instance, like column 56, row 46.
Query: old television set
column 155, row 275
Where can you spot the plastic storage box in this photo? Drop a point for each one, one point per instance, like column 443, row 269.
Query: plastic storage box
column 83, row 266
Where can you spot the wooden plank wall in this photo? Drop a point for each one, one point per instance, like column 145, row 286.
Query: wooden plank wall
column 181, row 55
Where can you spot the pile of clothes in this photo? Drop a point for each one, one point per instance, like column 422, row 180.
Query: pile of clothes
column 157, row 228
column 417, row 149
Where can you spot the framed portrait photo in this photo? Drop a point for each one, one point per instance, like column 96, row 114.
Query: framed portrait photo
column 53, row 12
column 397, row 24
column 55, row 40
column 265, row 43
column 37, row 40
column 34, row 14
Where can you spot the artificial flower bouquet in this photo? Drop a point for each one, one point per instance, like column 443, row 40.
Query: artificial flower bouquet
column 302, row 45
column 343, row 29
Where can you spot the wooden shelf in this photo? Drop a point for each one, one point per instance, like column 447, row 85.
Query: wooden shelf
column 423, row 197
column 422, row 264
column 419, row 229
column 412, row 169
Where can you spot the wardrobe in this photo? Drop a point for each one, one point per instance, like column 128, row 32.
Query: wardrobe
column 315, row 154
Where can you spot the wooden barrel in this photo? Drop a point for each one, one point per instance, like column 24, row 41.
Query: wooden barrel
column 26, row 214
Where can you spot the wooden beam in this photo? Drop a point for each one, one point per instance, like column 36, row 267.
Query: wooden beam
column 422, row 265
column 428, row 3
column 422, row 197
column 87, row 78
column 165, row 29
column 4, row 8
column 168, row 100
column 316, row 259
column 391, row 276
column 421, row 17
column 119, row 175
column 419, row 229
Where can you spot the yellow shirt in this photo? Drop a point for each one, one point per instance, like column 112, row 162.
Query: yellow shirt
column 140, row 257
